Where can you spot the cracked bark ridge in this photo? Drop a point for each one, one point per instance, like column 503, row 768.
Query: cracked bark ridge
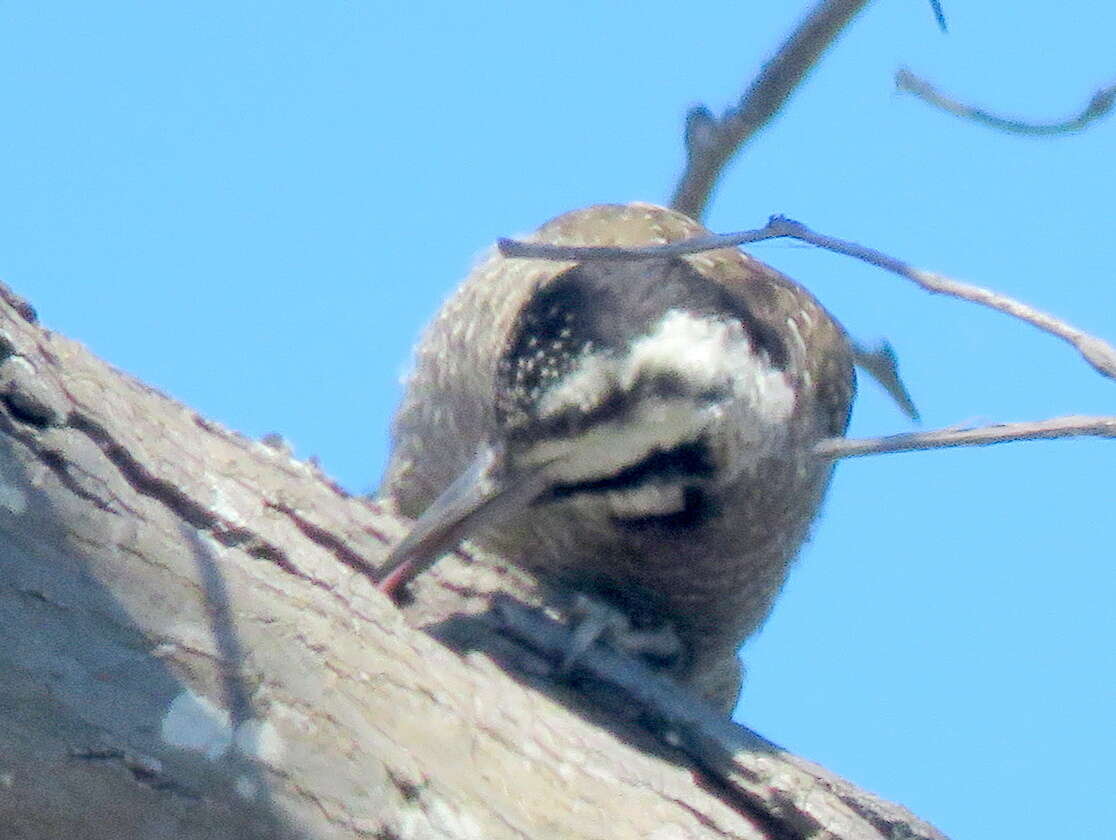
column 192, row 648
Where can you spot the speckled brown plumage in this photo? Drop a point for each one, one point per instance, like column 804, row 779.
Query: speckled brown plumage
column 714, row 580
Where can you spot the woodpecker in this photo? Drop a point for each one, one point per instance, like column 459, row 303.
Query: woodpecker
column 640, row 429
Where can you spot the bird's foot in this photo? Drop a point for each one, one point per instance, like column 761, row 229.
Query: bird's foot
column 594, row 620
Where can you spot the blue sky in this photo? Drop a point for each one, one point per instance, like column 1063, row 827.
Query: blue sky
column 256, row 205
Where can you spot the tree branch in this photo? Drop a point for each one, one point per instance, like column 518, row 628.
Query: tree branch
column 711, row 143
column 882, row 364
column 192, row 646
column 1057, row 427
column 1098, row 106
column 939, row 15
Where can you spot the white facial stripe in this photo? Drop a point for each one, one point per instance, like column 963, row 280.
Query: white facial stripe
column 708, row 354
column 703, row 350
column 654, row 499
column 584, row 388
column 607, row 448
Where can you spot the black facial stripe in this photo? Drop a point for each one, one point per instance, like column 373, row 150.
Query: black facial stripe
column 688, row 461
column 764, row 337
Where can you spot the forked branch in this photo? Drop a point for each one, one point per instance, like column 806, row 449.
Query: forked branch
column 711, row 142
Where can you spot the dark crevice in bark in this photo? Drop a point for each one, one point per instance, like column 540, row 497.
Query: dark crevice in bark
column 26, row 409
column 146, row 771
column 702, row 818
column 327, row 540
column 54, row 461
column 182, row 505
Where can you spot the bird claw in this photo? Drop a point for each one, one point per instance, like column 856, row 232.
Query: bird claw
column 593, row 620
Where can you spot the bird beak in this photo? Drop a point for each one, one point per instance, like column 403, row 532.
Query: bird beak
column 485, row 494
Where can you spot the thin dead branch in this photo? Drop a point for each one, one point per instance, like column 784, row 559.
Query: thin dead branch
column 1098, row 106
column 1097, row 352
column 939, row 15
column 1056, row 427
column 711, row 142
column 882, row 364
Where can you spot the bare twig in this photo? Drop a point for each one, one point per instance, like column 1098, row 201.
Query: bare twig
column 1099, row 105
column 882, row 364
column 939, row 15
column 1057, row 427
column 711, row 143
column 1097, row 352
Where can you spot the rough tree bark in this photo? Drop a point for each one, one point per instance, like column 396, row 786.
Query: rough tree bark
column 191, row 646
